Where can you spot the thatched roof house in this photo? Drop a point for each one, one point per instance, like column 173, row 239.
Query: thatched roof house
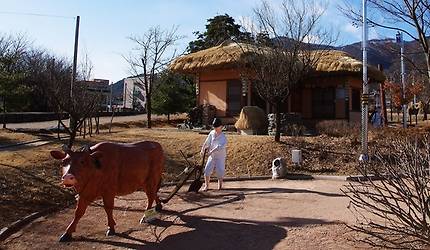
column 333, row 91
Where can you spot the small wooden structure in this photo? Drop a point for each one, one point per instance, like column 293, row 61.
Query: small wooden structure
column 332, row 92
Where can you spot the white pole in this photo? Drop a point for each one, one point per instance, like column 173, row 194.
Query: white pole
column 365, row 96
column 404, row 107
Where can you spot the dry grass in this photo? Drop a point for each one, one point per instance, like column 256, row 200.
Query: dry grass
column 29, row 179
column 8, row 137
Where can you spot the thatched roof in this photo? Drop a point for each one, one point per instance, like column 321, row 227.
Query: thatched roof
column 226, row 55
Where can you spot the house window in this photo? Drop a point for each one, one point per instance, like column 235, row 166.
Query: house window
column 323, row 103
column 355, row 100
column 234, row 97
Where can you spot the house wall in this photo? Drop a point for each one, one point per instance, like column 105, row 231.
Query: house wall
column 213, row 88
column 214, row 93
column 341, row 84
column 219, row 75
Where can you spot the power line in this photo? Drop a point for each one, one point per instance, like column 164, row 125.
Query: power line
column 35, row 14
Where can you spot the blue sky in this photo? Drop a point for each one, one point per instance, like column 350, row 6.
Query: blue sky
column 105, row 25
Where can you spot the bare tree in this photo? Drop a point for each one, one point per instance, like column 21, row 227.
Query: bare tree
column 12, row 53
column 391, row 200
column 411, row 17
column 86, row 67
column 153, row 52
column 288, row 44
column 52, row 76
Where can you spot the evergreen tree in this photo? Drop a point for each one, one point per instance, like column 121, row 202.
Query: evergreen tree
column 218, row 29
column 174, row 94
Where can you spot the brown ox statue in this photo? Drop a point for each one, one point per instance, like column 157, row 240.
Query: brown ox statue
column 107, row 170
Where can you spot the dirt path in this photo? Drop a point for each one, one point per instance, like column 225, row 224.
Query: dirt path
column 261, row 215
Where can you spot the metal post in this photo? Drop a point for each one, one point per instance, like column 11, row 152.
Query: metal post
column 365, row 96
column 399, row 39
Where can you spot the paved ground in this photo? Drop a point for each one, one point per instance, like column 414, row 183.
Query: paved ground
column 281, row 214
column 48, row 124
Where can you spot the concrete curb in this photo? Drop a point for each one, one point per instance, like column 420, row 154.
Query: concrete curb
column 5, row 232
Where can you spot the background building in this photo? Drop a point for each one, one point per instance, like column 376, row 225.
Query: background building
column 128, row 94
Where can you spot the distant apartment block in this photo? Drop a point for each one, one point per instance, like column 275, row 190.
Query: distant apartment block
column 129, row 94
column 102, row 87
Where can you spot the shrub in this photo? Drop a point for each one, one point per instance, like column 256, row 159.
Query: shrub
column 338, row 128
column 391, row 201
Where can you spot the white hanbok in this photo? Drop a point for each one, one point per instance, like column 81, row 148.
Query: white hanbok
column 216, row 146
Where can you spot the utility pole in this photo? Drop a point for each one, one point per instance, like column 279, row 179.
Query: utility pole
column 75, row 56
column 110, row 98
column 365, row 97
column 75, row 59
column 399, row 39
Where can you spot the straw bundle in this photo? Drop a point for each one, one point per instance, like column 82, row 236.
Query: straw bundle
column 252, row 118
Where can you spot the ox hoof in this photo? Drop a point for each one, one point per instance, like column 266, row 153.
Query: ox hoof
column 65, row 237
column 110, row 232
column 144, row 220
column 159, row 207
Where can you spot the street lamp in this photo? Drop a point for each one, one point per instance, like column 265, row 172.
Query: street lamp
column 365, row 97
column 399, row 39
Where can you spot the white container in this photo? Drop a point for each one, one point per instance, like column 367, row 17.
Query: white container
column 278, row 168
column 296, row 156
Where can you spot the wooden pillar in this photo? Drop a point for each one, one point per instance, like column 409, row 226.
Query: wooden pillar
column 289, row 103
column 197, row 82
column 244, row 100
column 249, row 100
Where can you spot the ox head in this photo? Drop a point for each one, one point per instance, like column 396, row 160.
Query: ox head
column 79, row 167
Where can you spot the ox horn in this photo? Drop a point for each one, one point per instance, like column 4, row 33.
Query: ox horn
column 86, row 148
column 66, row 149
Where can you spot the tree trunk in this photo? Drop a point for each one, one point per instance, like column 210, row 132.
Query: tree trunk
column 278, row 122
column 391, row 108
column 97, row 124
column 148, row 112
column 58, row 130
column 168, row 118
column 4, row 112
column 111, row 120
column 425, row 107
column 90, row 126
column 85, row 127
column 72, row 137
